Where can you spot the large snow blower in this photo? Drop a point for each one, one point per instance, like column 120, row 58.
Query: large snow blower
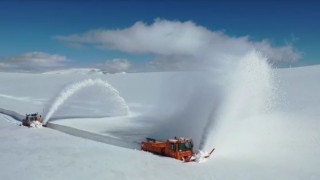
column 32, row 120
column 178, row 148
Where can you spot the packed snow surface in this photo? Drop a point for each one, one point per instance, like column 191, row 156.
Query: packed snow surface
column 263, row 122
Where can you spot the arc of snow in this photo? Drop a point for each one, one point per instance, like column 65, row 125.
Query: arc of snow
column 72, row 89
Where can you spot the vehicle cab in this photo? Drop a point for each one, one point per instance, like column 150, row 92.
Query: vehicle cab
column 32, row 119
column 180, row 148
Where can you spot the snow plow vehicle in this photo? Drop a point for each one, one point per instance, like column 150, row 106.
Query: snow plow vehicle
column 177, row 148
column 32, row 120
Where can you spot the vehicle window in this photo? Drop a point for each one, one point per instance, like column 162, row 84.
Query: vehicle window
column 185, row 146
column 189, row 145
column 173, row 147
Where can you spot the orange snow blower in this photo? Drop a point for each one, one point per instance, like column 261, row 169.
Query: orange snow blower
column 178, row 148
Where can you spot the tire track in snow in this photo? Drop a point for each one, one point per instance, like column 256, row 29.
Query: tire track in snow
column 94, row 136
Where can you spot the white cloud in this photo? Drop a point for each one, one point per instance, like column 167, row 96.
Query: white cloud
column 182, row 45
column 115, row 65
column 162, row 37
column 32, row 61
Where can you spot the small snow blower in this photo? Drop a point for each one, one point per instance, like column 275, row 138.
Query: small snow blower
column 32, row 120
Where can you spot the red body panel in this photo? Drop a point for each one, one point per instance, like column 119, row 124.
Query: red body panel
column 168, row 148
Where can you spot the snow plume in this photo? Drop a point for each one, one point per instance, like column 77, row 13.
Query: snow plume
column 250, row 92
column 252, row 88
column 69, row 91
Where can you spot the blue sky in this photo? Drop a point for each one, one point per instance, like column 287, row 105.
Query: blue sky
column 32, row 26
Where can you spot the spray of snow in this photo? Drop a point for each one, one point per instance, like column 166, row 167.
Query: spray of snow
column 36, row 124
column 250, row 92
column 200, row 157
column 66, row 93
